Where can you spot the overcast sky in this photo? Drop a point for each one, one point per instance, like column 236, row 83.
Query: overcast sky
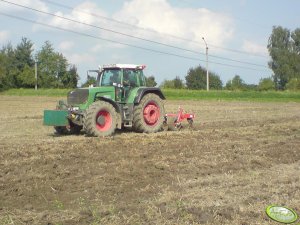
column 165, row 35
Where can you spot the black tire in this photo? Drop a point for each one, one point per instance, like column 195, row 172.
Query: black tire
column 191, row 124
column 65, row 130
column 74, row 128
column 148, row 116
column 100, row 119
column 172, row 126
column 61, row 130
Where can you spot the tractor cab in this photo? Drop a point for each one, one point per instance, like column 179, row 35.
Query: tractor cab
column 124, row 77
column 121, row 75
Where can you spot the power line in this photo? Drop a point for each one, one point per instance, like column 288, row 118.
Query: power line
column 131, row 36
column 122, row 43
column 153, row 31
column 93, row 36
column 98, row 27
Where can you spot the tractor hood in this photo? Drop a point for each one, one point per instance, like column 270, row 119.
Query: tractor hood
column 78, row 96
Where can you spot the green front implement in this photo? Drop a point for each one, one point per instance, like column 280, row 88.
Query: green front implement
column 56, row 117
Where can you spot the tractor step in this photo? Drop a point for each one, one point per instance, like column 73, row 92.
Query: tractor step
column 128, row 124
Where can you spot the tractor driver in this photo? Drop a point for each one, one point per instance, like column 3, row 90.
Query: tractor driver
column 115, row 78
column 126, row 79
column 129, row 78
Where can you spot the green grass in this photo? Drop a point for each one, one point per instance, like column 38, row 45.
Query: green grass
column 39, row 92
column 183, row 94
column 274, row 96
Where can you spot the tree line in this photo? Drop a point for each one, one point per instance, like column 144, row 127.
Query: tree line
column 17, row 67
column 284, row 50
column 196, row 80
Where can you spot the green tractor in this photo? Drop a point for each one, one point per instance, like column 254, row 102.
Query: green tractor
column 119, row 99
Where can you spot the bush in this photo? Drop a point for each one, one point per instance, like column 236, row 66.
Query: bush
column 266, row 84
column 293, row 84
column 237, row 83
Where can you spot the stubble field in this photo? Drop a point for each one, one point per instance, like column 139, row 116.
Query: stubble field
column 240, row 158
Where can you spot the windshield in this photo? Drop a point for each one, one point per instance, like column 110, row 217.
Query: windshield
column 111, row 77
column 133, row 78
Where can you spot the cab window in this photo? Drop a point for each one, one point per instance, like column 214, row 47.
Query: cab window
column 111, row 77
column 133, row 78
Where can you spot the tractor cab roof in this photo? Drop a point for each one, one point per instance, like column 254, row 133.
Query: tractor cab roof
column 123, row 66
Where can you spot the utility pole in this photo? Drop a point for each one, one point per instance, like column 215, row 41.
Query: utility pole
column 35, row 67
column 207, row 75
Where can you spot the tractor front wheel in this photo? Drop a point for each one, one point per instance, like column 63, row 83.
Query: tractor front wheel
column 149, row 115
column 100, row 119
column 72, row 128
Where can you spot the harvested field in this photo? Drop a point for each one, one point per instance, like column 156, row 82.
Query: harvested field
column 240, row 158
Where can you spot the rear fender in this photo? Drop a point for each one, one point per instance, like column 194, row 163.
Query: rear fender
column 143, row 91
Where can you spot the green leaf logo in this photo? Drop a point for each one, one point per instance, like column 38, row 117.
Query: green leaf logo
column 281, row 214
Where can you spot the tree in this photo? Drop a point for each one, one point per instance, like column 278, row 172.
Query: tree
column 67, row 79
column 90, row 80
column 23, row 54
column 284, row 48
column 236, row 83
column 3, row 78
column 168, row 84
column 215, row 82
column 178, row 83
column 196, row 79
column 266, row 84
column 52, row 68
column 46, row 67
column 72, row 78
column 23, row 60
column 293, row 84
column 150, row 81
column 9, row 70
column 17, row 67
column 26, row 77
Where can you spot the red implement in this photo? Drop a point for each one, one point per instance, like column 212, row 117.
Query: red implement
column 173, row 121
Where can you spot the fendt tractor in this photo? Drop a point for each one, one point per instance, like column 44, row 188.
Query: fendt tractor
column 119, row 99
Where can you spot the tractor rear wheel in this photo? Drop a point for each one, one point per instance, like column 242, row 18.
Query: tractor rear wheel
column 149, row 115
column 100, row 119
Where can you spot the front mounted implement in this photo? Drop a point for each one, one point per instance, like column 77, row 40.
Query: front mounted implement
column 56, row 117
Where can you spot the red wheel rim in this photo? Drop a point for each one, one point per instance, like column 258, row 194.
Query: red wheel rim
column 151, row 114
column 103, row 120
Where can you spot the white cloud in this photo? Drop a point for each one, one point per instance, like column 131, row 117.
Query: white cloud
column 152, row 15
column 80, row 58
column 85, row 13
column 28, row 3
column 106, row 45
column 66, row 45
column 4, row 35
column 254, row 48
column 189, row 23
